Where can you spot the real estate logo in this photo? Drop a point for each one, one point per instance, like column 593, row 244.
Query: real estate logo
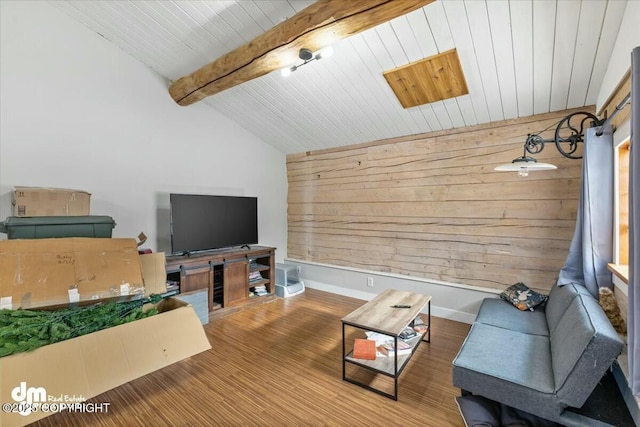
column 27, row 399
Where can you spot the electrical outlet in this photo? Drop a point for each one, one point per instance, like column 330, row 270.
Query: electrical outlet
column 298, row 269
column 370, row 282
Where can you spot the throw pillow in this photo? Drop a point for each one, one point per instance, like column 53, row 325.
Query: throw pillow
column 522, row 297
column 477, row 411
column 511, row 417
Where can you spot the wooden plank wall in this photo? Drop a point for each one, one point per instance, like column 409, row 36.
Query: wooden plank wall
column 431, row 206
column 621, row 91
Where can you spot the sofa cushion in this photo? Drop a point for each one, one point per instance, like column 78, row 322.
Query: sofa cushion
column 583, row 346
column 569, row 340
column 508, row 355
column 502, row 314
column 559, row 299
column 522, row 297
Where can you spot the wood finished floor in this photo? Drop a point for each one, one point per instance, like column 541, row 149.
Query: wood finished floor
column 279, row 364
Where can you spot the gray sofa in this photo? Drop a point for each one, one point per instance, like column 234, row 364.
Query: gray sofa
column 539, row 361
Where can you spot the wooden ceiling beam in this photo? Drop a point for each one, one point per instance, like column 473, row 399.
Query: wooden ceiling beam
column 318, row 25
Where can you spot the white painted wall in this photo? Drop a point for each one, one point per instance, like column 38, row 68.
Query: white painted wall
column 620, row 62
column 77, row 112
column 449, row 300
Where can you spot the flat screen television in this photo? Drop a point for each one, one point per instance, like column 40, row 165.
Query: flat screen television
column 204, row 222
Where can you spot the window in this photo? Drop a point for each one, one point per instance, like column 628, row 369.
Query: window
column 623, row 201
column 620, row 266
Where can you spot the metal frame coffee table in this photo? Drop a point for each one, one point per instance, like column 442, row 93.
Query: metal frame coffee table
column 380, row 315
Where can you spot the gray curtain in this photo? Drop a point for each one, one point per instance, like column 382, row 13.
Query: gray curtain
column 591, row 247
column 633, row 320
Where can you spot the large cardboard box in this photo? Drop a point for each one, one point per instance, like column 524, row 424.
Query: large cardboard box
column 63, row 375
column 49, row 272
column 38, row 201
column 72, row 371
column 154, row 273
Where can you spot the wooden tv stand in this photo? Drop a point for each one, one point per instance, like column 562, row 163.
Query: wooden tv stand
column 224, row 273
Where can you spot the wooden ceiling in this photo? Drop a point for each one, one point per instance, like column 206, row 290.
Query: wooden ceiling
column 518, row 57
column 320, row 24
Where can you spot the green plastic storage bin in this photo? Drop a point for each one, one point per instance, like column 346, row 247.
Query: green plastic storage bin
column 45, row 227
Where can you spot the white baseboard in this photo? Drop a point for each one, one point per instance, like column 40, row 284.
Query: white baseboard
column 436, row 310
column 366, row 296
column 452, row 301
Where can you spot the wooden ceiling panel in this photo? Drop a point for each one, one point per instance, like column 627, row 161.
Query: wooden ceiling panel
column 429, row 80
column 345, row 99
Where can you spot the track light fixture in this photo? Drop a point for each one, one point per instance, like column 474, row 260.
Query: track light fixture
column 307, row 56
column 568, row 136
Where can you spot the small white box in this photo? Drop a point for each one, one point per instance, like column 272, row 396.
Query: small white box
column 288, row 283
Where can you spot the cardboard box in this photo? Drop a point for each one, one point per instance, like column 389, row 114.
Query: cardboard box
column 154, row 273
column 38, row 201
column 81, row 368
column 52, row 272
column 78, row 369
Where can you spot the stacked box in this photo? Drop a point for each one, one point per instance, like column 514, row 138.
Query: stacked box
column 47, row 272
column 39, row 201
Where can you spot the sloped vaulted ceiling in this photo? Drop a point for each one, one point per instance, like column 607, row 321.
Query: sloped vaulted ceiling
column 313, row 29
column 519, row 58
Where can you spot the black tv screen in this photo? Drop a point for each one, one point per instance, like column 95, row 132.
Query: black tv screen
column 203, row 222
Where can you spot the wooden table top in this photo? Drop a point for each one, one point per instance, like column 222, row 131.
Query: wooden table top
column 379, row 315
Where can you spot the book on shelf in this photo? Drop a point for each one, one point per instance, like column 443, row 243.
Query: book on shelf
column 407, row 333
column 259, row 290
column 388, row 348
column 255, row 276
column 364, row 349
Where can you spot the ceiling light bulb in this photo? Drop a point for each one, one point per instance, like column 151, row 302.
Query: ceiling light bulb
column 285, row 72
column 523, row 172
column 325, row 52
